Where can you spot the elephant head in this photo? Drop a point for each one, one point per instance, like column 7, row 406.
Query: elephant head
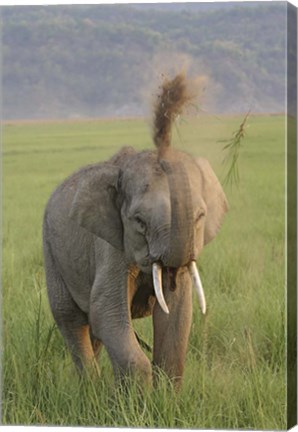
column 159, row 207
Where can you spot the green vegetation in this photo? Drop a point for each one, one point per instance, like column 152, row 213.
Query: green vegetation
column 235, row 370
column 71, row 61
column 232, row 154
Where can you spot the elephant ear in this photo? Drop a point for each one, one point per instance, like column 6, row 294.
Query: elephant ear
column 94, row 206
column 214, row 198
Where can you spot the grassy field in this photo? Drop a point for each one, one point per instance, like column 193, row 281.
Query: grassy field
column 235, row 370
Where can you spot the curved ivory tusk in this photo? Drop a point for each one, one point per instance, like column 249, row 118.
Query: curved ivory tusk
column 157, row 282
column 198, row 285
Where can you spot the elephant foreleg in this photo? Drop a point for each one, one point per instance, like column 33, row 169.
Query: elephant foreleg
column 110, row 319
column 171, row 331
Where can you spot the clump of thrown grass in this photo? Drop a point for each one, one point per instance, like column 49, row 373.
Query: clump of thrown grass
column 233, row 150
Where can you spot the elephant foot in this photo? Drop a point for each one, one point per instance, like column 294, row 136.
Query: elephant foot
column 126, row 355
column 137, row 371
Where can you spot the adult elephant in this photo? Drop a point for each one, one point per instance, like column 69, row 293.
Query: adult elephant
column 120, row 242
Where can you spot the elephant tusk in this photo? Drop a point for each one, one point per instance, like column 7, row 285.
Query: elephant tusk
column 157, row 283
column 198, row 285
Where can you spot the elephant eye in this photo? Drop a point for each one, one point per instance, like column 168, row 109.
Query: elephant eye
column 141, row 224
column 200, row 216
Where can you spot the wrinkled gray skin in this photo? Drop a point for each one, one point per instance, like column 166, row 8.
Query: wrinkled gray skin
column 103, row 229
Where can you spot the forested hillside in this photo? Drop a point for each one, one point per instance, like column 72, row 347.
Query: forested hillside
column 73, row 61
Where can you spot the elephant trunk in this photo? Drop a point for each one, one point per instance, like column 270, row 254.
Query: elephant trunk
column 181, row 241
column 157, row 283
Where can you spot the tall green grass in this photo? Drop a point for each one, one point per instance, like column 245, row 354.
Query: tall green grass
column 235, row 368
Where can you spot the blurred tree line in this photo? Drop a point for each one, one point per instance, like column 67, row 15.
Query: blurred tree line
column 68, row 61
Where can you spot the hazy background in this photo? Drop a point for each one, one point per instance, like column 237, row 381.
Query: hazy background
column 103, row 60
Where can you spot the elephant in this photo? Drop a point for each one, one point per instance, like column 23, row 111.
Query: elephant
column 120, row 241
